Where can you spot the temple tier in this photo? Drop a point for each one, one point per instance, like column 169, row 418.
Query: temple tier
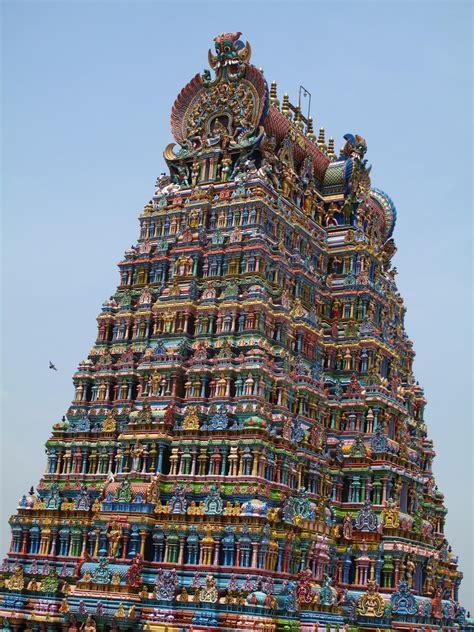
column 246, row 447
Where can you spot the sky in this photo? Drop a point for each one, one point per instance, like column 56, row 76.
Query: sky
column 87, row 90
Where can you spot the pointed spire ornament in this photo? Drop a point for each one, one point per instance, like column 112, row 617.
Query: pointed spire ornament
column 310, row 131
column 330, row 152
column 273, row 95
column 286, row 105
column 321, row 140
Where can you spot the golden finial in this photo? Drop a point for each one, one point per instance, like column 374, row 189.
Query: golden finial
column 298, row 121
column 321, row 141
column 148, row 207
column 310, row 130
column 273, row 95
column 331, row 153
column 286, row 105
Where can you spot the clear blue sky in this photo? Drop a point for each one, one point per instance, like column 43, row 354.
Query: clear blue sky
column 87, row 92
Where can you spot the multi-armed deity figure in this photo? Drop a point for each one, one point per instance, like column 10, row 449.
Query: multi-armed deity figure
column 246, row 448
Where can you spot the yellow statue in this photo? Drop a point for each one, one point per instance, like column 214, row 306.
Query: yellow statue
column 87, row 577
column 288, row 181
column 308, row 200
column 110, row 423
column 17, row 580
column 191, row 419
column 115, row 579
column 371, row 604
column 114, row 536
column 153, row 490
column 390, row 516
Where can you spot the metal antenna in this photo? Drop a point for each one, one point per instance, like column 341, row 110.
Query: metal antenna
column 306, row 93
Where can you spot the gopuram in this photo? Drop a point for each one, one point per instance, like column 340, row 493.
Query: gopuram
column 246, row 447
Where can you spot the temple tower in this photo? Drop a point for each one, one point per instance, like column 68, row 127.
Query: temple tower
column 246, row 447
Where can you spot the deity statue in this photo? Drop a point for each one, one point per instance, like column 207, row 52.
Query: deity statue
column 226, row 166
column 371, row 604
column 428, row 586
column 209, row 592
column 153, row 490
column 308, row 199
column 195, row 170
column 114, row 536
column 288, row 181
column 16, row 581
column 347, row 527
column 410, row 570
column 137, row 452
column 219, row 135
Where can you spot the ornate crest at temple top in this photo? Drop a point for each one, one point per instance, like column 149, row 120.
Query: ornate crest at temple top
column 213, row 118
column 233, row 127
column 230, row 51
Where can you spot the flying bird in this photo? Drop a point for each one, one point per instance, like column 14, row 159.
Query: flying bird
column 51, row 366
